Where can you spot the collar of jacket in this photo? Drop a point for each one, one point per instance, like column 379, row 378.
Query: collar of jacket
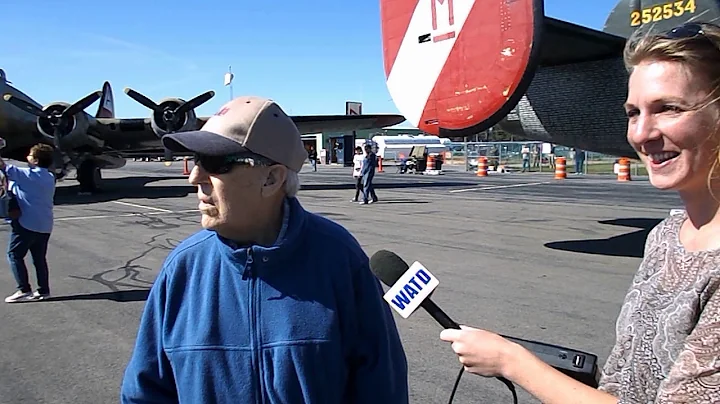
column 289, row 239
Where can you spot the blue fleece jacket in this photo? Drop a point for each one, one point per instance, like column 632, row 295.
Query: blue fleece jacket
column 301, row 322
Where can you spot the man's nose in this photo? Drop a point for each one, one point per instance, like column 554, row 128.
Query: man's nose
column 198, row 175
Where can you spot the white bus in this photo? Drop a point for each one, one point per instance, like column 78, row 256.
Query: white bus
column 398, row 147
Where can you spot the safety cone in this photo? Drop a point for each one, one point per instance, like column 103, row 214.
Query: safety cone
column 186, row 168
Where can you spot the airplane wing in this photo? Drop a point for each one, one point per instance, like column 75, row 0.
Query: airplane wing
column 136, row 136
column 344, row 123
column 339, row 123
column 565, row 43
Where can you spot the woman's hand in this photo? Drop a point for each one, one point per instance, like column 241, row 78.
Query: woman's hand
column 481, row 352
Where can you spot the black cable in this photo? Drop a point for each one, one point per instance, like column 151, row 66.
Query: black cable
column 505, row 381
column 457, row 382
column 511, row 386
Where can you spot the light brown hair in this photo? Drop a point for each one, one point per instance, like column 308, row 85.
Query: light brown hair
column 697, row 47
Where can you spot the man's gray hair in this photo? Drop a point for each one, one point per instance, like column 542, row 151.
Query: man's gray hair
column 292, row 183
column 292, row 179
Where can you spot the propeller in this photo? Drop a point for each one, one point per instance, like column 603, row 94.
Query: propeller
column 169, row 115
column 56, row 117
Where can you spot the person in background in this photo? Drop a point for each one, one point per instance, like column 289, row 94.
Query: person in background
column 579, row 161
column 368, row 175
column 551, row 156
column 34, row 190
column 358, row 159
column 269, row 302
column 525, row 151
column 312, row 156
column 667, row 348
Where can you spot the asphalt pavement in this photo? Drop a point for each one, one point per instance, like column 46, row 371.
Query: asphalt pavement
column 520, row 254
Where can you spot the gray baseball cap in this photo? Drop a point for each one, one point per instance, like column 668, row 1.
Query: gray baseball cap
column 247, row 123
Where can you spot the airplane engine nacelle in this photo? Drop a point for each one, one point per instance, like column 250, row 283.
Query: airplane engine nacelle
column 164, row 120
column 70, row 130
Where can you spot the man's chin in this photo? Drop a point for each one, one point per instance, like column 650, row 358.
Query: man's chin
column 208, row 221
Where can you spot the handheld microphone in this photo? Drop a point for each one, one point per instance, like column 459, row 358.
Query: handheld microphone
column 411, row 287
column 389, row 268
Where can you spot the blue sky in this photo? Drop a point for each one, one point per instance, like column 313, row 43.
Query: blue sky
column 310, row 56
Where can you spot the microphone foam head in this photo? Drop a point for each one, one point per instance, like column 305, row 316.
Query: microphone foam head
column 388, row 266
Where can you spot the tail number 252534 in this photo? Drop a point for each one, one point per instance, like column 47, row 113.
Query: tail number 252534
column 661, row 12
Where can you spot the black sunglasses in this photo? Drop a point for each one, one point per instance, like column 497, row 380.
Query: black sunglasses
column 224, row 164
column 688, row 30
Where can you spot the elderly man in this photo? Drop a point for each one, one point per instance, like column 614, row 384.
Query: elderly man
column 269, row 303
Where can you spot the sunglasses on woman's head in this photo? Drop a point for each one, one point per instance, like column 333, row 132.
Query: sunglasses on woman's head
column 224, row 164
column 689, row 30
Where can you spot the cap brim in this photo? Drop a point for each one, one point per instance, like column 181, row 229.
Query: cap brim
column 201, row 142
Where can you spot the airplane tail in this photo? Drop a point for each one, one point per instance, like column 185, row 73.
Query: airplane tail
column 458, row 68
column 106, row 109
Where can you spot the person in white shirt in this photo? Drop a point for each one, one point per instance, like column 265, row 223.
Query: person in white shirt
column 358, row 159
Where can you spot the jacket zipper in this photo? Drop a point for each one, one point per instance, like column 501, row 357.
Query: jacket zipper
column 248, row 273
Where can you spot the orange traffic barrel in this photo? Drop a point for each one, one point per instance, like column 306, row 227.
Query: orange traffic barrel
column 186, row 166
column 560, row 173
column 482, row 167
column 624, row 169
column 430, row 162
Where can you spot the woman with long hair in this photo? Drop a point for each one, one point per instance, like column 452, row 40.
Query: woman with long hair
column 668, row 332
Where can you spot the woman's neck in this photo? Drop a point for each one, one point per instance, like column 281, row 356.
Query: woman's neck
column 700, row 231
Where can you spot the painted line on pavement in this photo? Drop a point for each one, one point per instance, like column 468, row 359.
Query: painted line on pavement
column 491, row 187
column 135, row 205
column 169, row 212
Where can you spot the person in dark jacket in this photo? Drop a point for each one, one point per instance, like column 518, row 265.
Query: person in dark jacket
column 268, row 303
column 368, row 175
column 312, row 157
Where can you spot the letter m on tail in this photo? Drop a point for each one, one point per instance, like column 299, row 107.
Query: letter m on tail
column 450, row 11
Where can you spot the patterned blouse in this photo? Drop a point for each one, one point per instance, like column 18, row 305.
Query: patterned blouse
column 668, row 331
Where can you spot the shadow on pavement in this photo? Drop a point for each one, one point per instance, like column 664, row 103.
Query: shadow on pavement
column 625, row 245
column 122, row 296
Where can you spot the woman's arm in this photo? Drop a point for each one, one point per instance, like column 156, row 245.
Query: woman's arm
column 488, row 354
column 547, row 384
column 695, row 375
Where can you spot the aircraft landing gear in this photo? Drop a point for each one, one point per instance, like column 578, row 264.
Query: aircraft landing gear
column 88, row 175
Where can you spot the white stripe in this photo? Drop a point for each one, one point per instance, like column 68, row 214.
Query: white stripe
column 65, row 219
column 498, row 187
column 134, row 205
column 418, row 65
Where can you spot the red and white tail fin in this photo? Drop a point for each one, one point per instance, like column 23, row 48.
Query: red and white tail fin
column 458, row 67
column 106, row 109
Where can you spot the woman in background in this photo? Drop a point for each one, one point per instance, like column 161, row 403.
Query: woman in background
column 357, row 172
column 668, row 331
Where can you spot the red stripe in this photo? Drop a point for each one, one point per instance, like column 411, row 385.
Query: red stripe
column 395, row 16
column 443, row 37
column 476, row 78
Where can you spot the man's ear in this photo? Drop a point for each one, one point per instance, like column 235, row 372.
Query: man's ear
column 275, row 180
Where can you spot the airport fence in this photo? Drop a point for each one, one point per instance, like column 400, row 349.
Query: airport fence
column 509, row 155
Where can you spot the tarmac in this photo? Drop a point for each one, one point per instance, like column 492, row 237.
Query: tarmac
column 519, row 254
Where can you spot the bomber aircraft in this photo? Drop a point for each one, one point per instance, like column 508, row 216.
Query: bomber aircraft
column 90, row 143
